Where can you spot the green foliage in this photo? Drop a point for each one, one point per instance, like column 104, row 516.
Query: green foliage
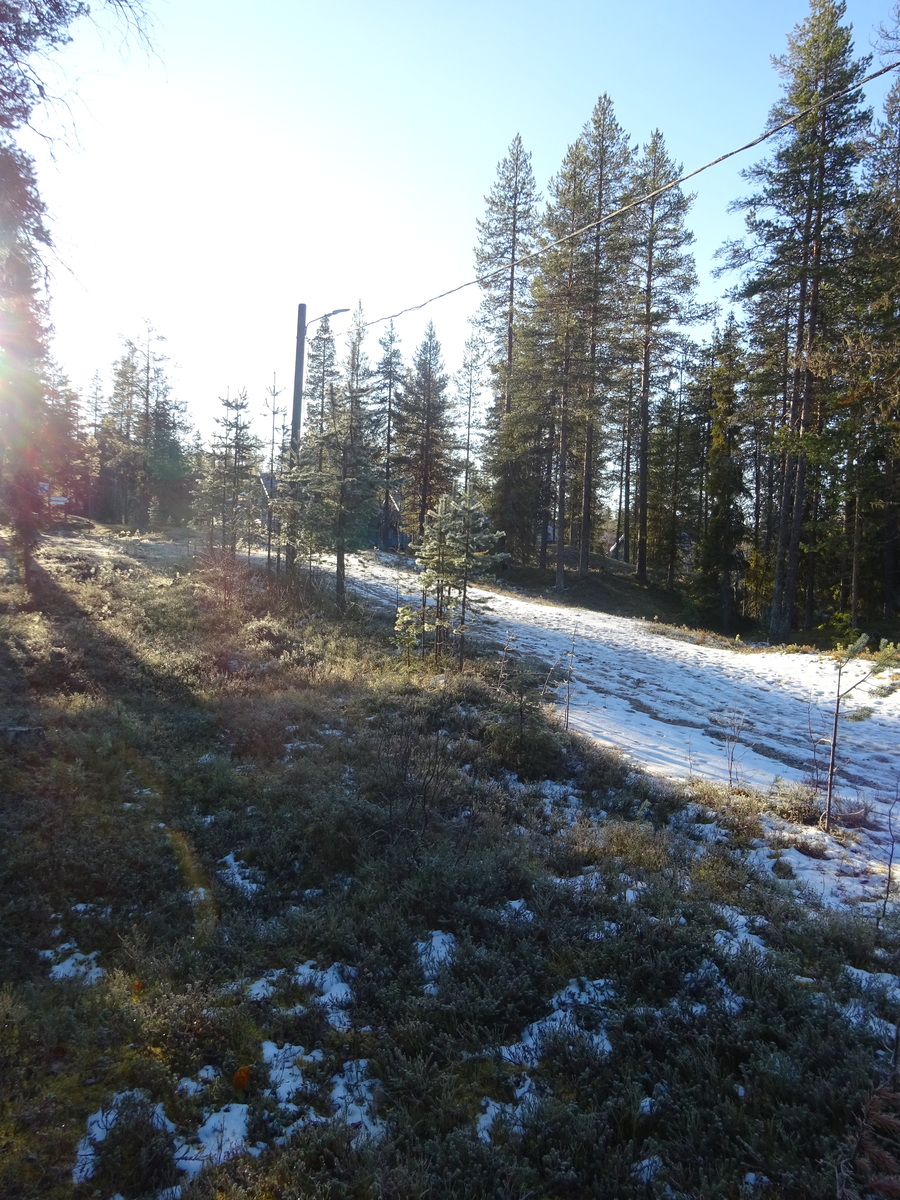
column 136, row 1157
column 332, row 492
column 137, row 467
column 425, row 442
column 369, row 809
column 718, row 557
column 408, row 629
column 457, row 546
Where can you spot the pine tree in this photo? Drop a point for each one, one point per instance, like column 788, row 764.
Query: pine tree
column 546, row 455
column 469, row 382
column 664, row 281
column 871, row 352
column 609, row 157
column 507, row 234
column 562, row 296
column 796, row 246
column 512, row 448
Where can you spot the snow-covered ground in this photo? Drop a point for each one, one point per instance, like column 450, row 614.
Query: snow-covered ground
column 676, row 708
column 680, row 710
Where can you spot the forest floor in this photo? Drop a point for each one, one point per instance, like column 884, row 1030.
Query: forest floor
column 285, row 916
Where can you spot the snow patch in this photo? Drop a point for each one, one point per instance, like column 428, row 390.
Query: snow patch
column 517, row 910
column 882, row 981
column 739, row 936
column 264, row 988
column 708, row 976
column 70, row 963
column 433, row 956
column 237, row 875
column 101, row 1122
column 335, row 993
column 221, row 1136
column 353, row 1098
column 659, row 695
column 572, row 1009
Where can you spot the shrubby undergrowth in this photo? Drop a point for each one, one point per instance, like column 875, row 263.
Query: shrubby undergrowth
column 285, row 916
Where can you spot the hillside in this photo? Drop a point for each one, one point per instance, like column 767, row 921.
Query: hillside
column 284, row 916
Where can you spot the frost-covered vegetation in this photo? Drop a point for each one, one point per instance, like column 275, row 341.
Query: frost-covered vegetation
column 285, row 915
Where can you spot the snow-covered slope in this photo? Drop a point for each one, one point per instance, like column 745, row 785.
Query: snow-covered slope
column 682, row 709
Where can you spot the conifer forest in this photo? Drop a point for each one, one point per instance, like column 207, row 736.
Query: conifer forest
column 755, row 466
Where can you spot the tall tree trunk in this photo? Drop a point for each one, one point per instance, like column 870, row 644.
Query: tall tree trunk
column 547, row 494
column 561, row 496
column 854, row 560
column 510, row 313
column 626, row 522
column 787, row 571
column 644, row 415
column 891, row 551
column 644, row 453
column 673, row 515
column 587, row 501
column 386, row 507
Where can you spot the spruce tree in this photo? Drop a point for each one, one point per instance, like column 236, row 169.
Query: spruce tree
column 143, row 468
column 336, row 485
column 719, row 558
column 677, row 503
column 456, row 547
column 227, row 491
column 425, row 437
column 387, row 380
column 64, row 448
column 518, row 455
column 321, row 375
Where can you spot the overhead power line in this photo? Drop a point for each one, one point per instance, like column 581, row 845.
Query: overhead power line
column 641, row 199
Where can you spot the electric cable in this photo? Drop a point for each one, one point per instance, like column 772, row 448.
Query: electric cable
column 480, row 279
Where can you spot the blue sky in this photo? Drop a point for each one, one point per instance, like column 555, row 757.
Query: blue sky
column 264, row 155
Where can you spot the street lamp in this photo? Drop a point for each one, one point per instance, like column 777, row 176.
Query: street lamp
column 297, row 409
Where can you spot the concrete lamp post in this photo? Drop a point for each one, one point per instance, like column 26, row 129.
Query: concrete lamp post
column 297, row 409
column 297, row 406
